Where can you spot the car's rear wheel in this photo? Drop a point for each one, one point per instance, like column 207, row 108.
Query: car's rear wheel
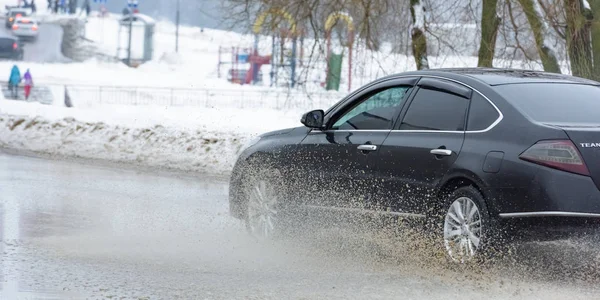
column 465, row 225
column 264, row 195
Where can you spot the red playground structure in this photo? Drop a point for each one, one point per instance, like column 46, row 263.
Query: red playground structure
column 241, row 57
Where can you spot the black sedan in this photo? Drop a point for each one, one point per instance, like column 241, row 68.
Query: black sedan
column 11, row 48
column 475, row 152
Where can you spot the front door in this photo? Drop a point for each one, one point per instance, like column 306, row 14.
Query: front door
column 339, row 160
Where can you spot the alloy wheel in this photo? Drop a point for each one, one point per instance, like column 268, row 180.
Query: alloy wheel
column 462, row 230
column 262, row 213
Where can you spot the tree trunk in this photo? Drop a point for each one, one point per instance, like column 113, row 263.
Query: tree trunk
column 419, row 41
column 578, row 39
column 539, row 27
column 595, row 7
column 489, row 31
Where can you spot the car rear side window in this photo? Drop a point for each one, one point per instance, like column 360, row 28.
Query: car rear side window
column 481, row 114
column 555, row 102
column 376, row 112
column 435, row 110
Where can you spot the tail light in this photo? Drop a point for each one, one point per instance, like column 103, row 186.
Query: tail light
column 34, row 27
column 558, row 154
column 15, row 46
column 15, row 27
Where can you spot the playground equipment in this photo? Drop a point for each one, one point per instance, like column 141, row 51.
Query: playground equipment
column 237, row 56
column 276, row 59
column 333, row 74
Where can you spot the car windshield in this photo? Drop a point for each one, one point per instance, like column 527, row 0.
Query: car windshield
column 555, row 102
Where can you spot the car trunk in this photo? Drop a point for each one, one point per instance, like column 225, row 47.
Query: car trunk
column 587, row 140
column 24, row 26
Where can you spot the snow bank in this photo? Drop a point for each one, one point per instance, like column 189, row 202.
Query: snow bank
column 206, row 140
column 157, row 146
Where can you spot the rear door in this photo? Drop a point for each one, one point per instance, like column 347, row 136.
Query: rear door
column 423, row 146
column 339, row 161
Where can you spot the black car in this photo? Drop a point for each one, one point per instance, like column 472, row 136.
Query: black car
column 475, row 152
column 11, row 48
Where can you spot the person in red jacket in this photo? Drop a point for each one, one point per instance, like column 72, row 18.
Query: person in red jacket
column 28, row 81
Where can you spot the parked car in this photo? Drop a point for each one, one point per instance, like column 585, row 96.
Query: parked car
column 25, row 28
column 11, row 48
column 477, row 154
column 16, row 12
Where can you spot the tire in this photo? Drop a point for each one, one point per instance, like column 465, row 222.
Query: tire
column 264, row 195
column 463, row 226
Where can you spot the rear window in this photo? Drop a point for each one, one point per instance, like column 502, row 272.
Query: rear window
column 555, row 102
column 14, row 13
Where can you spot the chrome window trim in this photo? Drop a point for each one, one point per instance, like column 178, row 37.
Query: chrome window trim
column 500, row 115
column 367, row 211
column 549, row 214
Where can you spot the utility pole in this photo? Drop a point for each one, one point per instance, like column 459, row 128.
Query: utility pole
column 177, row 28
column 130, row 33
column 131, row 4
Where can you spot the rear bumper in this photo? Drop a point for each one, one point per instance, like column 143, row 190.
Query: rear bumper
column 556, row 204
column 9, row 55
column 25, row 33
column 550, row 193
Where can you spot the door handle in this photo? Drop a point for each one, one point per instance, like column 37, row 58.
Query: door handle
column 367, row 147
column 444, row 152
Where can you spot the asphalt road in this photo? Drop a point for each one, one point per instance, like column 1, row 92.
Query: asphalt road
column 78, row 230
column 46, row 49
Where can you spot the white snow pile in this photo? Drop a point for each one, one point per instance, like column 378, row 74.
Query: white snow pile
column 157, row 146
column 188, row 139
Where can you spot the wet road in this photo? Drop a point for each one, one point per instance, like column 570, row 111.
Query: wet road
column 46, row 49
column 79, row 231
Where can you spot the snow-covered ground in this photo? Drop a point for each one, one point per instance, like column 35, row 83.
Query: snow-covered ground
column 201, row 140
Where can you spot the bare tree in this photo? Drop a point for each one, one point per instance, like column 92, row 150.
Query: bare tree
column 578, row 38
column 540, row 28
column 490, row 23
column 595, row 32
column 419, row 41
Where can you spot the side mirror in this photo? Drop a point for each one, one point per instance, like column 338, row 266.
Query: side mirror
column 313, row 119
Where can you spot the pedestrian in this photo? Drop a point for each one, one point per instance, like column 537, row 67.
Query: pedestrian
column 56, row 6
column 28, row 81
column 33, row 6
column 88, row 7
column 72, row 7
column 50, row 5
column 13, row 81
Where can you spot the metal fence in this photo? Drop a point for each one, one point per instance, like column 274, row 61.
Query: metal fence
column 87, row 95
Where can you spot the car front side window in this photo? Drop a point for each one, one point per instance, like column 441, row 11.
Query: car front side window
column 375, row 112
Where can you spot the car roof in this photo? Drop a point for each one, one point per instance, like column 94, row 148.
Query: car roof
column 497, row 76
column 19, row 10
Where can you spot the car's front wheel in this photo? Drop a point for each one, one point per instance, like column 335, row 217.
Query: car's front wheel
column 264, row 195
